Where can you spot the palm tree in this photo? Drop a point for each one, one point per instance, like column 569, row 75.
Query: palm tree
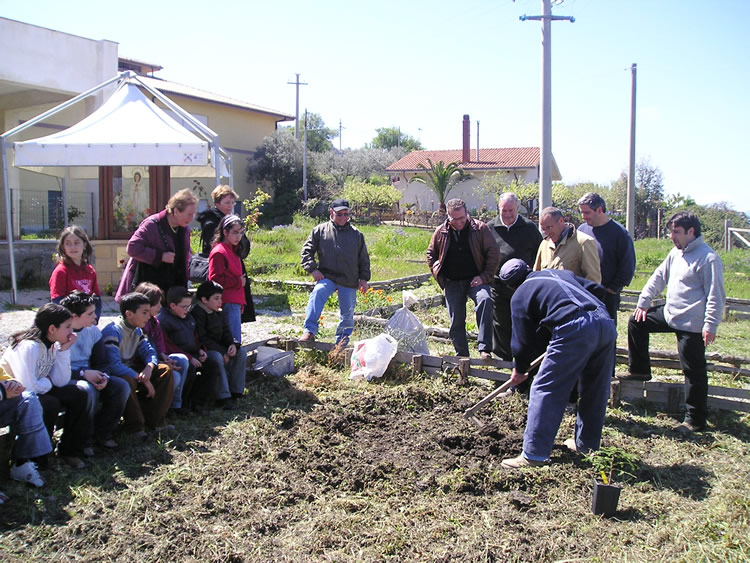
column 441, row 179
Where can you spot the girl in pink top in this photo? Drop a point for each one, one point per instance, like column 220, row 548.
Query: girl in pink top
column 73, row 270
column 225, row 268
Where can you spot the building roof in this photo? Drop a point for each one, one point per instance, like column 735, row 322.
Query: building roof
column 166, row 86
column 489, row 159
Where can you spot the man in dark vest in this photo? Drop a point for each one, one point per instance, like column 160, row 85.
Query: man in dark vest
column 516, row 237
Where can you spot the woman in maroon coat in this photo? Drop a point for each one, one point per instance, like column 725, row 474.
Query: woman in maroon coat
column 159, row 249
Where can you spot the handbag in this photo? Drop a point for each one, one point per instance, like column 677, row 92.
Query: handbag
column 198, row 269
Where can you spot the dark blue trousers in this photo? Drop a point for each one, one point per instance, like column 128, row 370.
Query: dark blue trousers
column 580, row 353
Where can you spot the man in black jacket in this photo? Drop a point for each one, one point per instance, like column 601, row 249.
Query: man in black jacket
column 517, row 237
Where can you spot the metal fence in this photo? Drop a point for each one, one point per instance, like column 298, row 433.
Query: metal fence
column 40, row 213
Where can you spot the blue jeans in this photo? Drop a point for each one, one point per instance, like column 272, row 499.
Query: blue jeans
column 318, row 299
column 24, row 415
column 180, row 376
column 234, row 316
column 104, row 408
column 231, row 376
column 456, row 292
column 579, row 353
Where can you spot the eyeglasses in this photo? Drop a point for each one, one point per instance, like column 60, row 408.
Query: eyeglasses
column 342, row 214
column 457, row 219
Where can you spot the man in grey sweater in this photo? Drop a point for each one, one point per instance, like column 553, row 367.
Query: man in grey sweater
column 694, row 278
column 343, row 266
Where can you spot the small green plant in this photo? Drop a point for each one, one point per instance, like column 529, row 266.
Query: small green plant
column 253, row 208
column 612, row 461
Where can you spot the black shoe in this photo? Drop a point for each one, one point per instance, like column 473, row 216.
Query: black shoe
column 634, row 377
column 225, row 404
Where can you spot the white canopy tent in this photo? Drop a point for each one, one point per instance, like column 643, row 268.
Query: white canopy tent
column 126, row 130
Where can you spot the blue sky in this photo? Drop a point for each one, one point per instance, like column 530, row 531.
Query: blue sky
column 421, row 65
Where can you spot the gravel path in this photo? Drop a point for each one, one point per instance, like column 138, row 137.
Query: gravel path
column 269, row 323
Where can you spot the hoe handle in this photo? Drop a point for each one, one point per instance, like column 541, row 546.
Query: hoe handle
column 504, row 387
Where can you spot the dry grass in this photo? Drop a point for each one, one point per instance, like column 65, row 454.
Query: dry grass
column 319, row 468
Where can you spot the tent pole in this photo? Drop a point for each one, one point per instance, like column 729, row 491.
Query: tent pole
column 217, row 159
column 9, row 225
column 230, row 169
column 64, row 189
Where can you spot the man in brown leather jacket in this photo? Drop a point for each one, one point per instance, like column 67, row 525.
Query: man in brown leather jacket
column 463, row 256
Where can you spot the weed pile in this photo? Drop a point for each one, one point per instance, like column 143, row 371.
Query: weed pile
column 319, row 468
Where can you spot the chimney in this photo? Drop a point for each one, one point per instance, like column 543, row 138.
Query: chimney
column 467, row 143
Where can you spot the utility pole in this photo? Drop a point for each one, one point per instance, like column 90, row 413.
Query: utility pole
column 630, row 218
column 340, row 128
column 304, row 163
column 545, row 166
column 296, row 109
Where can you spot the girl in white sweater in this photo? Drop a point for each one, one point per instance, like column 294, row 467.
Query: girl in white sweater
column 39, row 358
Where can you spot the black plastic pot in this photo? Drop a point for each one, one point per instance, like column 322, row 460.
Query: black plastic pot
column 605, row 499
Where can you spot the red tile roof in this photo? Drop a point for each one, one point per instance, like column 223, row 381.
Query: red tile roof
column 490, row 159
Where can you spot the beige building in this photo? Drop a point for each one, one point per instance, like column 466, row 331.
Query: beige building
column 37, row 77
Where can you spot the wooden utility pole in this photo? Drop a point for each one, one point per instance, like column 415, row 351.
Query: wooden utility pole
column 545, row 165
column 630, row 218
column 297, row 83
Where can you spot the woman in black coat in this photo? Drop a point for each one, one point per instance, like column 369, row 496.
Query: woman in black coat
column 224, row 199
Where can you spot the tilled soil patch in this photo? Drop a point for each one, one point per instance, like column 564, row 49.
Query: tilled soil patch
column 318, row 468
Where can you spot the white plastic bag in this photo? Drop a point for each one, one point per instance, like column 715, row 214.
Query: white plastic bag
column 370, row 358
column 405, row 327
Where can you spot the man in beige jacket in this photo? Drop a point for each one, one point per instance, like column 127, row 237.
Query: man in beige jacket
column 565, row 248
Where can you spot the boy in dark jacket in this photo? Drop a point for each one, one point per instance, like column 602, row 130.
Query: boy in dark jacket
column 223, row 352
column 178, row 327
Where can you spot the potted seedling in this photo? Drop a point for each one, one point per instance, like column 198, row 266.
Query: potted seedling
column 609, row 463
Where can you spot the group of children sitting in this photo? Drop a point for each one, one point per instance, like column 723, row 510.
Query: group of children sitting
column 151, row 364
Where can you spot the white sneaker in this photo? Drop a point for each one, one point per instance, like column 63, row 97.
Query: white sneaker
column 27, row 473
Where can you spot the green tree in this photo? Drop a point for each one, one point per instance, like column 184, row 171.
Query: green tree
column 441, row 179
column 392, row 137
column 276, row 166
column 319, row 136
column 370, row 197
column 358, row 163
column 649, row 197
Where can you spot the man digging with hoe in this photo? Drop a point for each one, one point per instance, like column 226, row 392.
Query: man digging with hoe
column 557, row 310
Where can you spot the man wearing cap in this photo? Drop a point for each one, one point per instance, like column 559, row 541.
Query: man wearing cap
column 463, row 257
column 559, row 312
column 516, row 237
column 343, row 266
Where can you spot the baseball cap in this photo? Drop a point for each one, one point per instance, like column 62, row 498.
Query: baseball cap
column 513, row 272
column 339, row 204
